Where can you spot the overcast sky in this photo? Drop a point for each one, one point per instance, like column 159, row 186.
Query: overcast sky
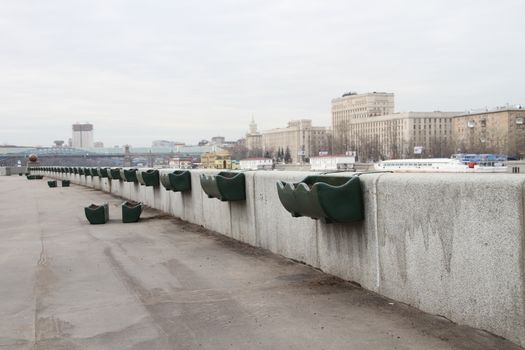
column 187, row 70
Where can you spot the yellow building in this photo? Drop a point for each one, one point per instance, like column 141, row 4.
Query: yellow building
column 219, row 160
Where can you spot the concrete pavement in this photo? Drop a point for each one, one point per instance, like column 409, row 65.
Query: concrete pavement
column 166, row 284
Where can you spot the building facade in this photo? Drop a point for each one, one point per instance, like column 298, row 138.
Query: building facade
column 500, row 131
column 399, row 135
column 353, row 106
column 253, row 140
column 82, row 136
column 218, row 160
column 300, row 137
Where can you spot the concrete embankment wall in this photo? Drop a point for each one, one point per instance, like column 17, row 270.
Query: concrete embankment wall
column 448, row 244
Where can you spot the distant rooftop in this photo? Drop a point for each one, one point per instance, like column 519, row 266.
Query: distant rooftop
column 507, row 107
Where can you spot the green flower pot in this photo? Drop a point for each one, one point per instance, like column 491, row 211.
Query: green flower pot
column 331, row 199
column 177, row 181
column 66, row 183
column 114, row 173
column 129, row 175
column 97, row 214
column 103, row 172
column 148, row 177
column 52, row 183
column 131, row 211
column 225, row 186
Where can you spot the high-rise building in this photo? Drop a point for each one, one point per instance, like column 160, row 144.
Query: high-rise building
column 300, row 137
column 352, row 106
column 254, row 139
column 82, row 135
column 500, row 130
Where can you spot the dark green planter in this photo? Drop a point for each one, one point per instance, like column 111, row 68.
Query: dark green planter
column 35, row 177
column 177, row 181
column 148, row 177
column 131, row 211
column 66, row 183
column 75, row 170
column 331, row 199
column 103, row 172
column 129, row 175
column 81, row 171
column 97, row 214
column 225, row 186
column 114, row 174
column 94, row 171
column 52, row 183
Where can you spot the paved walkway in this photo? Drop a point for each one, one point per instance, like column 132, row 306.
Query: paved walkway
column 166, row 284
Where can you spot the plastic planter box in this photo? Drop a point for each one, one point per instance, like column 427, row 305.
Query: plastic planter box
column 131, row 211
column 177, row 181
column 65, row 183
column 114, row 174
column 103, row 172
column 331, row 199
column 148, row 177
column 75, row 170
column 225, row 186
column 52, row 183
column 94, row 171
column 82, row 171
column 97, row 214
column 35, row 177
column 129, row 175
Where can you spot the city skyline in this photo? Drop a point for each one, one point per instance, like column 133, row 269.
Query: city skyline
column 184, row 71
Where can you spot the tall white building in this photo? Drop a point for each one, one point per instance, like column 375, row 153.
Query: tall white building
column 351, row 107
column 253, row 138
column 300, row 137
column 82, row 135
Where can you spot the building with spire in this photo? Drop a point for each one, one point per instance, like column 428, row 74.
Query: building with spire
column 253, row 139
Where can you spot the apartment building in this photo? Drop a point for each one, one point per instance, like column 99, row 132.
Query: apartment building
column 300, row 137
column 500, row 130
column 396, row 135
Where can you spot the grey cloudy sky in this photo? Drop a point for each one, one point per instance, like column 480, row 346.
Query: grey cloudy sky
column 186, row 70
